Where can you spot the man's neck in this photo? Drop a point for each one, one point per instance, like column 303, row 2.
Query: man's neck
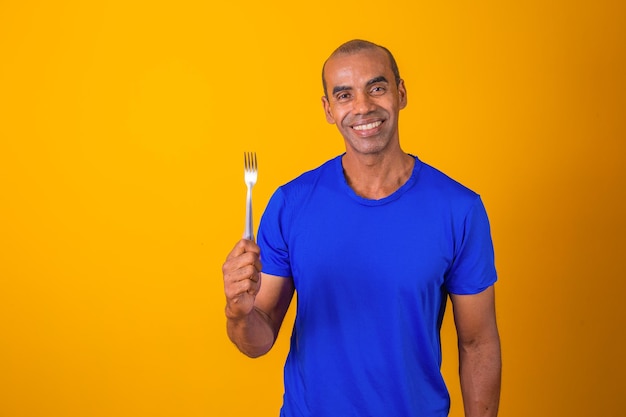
column 377, row 176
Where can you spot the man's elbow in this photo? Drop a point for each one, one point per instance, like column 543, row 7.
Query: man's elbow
column 485, row 342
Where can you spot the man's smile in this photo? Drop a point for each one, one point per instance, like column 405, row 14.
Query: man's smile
column 367, row 126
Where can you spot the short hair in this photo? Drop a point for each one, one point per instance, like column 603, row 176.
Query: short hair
column 357, row 45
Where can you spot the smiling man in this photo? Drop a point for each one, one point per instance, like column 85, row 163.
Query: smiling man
column 374, row 242
column 367, row 96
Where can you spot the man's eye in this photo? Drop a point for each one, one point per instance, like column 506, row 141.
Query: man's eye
column 378, row 90
column 343, row 96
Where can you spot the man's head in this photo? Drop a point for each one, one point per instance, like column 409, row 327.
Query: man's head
column 363, row 97
column 355, row 46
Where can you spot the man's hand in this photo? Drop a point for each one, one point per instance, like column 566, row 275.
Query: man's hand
column 242, row 279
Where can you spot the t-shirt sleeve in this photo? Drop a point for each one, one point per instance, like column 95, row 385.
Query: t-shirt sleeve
column 473, row 268
column 271, row 238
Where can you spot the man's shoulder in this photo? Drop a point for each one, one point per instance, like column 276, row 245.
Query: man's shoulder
column 441, row 183
column 310, row 178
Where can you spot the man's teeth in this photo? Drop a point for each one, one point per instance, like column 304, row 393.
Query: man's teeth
column 367, row 126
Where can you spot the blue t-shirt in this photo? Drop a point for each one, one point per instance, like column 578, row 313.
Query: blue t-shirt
column 372, row 279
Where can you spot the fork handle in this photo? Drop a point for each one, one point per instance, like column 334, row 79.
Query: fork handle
column 249, row 229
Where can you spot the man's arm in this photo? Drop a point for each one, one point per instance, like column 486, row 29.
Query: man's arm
column 254, row 312
column 480, row 362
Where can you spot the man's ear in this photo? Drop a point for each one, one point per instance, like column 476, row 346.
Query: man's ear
column 402, row 94
column 329, row 117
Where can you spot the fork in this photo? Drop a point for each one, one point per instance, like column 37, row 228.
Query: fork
column 250, row 176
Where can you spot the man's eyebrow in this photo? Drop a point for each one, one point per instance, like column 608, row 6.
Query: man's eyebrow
column 341, row 88
column 379, row 79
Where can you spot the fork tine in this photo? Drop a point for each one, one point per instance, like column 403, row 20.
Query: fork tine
column 250, row 177
column 250, row 161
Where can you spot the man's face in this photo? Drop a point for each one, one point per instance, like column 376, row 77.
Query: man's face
column 364, row 100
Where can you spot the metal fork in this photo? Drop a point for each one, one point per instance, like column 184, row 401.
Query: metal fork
column 250, row 171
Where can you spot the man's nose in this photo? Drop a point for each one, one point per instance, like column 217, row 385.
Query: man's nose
column 363, row 103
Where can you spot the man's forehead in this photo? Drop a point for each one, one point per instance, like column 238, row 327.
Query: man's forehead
column 370, row 62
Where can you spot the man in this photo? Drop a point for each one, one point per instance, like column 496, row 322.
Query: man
column 373, row 241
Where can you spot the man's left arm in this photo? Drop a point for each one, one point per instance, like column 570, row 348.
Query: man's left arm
column 480, row 361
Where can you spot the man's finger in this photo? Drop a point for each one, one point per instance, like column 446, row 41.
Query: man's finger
column 241, row 247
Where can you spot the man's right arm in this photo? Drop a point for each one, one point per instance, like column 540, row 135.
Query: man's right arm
column 256, row 303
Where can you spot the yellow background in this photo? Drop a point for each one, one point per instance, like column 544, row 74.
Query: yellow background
column 122, row 129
